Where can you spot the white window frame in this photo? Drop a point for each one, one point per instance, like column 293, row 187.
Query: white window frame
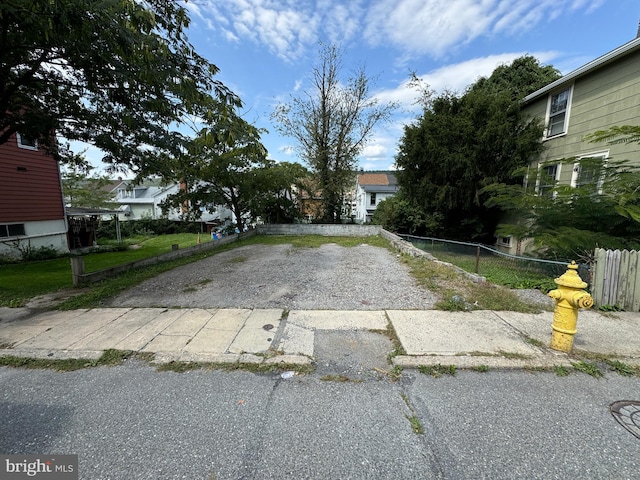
column 576, row 168
column 26, row 146
column 543, row 165
column 566, row 112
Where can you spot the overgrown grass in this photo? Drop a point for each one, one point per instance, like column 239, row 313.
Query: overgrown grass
column 108, row 358
column 458, row 292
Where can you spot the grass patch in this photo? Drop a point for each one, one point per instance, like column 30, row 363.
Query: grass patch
column 109, row 358
column 588, row 368
column 622, row 368
column 438, row 370
column 459, row 293
column 561, row 371
column 513, row 355
column 238, row 259
column 534, row 342
column 182, row 367
column 480, row 368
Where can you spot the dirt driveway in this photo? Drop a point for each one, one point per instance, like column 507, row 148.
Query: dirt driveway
column 286, row 277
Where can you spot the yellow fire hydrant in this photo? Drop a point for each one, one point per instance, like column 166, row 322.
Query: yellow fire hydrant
column 569, row 296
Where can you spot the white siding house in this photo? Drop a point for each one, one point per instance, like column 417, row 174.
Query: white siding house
column 371, row 189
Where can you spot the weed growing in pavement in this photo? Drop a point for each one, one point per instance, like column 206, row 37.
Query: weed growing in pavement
column 438, row 370
column 108, row 358
column 189, row 290
column 561, row 371
column 534, row 342
column 238, row 259
column 622, row 368
column 480, row 368
column 416, row 425
column 588, row 368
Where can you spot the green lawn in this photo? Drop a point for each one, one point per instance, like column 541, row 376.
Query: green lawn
column 21, row 281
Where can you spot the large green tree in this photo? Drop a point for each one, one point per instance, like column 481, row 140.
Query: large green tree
column 463, row 143
column 118, row 74
column 331, row 123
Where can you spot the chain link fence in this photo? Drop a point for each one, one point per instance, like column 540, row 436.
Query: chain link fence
column 496, row 266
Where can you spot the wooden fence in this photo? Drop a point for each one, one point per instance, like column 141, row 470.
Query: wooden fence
column 616, row 279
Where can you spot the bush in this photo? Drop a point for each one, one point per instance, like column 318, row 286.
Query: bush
column 146, row 227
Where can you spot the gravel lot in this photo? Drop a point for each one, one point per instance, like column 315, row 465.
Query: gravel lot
column 282, row 276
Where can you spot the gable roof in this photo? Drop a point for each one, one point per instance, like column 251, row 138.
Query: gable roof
column 377, row 178
column 586, row 69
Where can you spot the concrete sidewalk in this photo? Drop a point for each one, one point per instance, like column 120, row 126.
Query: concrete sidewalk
column 428, row 337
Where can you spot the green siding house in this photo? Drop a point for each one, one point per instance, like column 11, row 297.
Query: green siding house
column 598, row 95
column 603, row 93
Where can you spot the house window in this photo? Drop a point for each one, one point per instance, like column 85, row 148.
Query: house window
column 558, row 112
column 373, row 199
column 547, row 180
column 12, row 230
column 589, row 171
column 27, row 142
column 504, row 241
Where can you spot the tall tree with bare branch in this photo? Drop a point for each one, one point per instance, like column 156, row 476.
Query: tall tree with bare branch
column 331, row 123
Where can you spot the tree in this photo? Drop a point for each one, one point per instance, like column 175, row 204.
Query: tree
column 331, row 124
column 462, row 143
column 118, row 74
column 83, row 190
column 221, row 166
column 275, row 189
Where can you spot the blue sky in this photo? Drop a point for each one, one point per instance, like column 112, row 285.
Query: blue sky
column 266, row 49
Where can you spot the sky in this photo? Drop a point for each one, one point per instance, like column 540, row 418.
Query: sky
column 266, row 49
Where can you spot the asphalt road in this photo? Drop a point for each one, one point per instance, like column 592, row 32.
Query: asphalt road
column 131, row 422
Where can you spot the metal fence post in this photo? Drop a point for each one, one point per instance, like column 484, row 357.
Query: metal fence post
column 477, row 258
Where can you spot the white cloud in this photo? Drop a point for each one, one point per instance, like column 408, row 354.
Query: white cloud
column 415, row 27
column 287, row 149
column 434, row 27
column 455, row 77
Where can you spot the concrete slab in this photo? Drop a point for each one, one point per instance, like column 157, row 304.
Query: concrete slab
column 167, row 343
column 288, row 360
column 339, row 319
column 52, row 354
column 604, row 333
column 65, row 334
column 231, row 319
column 138, row 338
column 189, row 323
column 258, row 332
column 51, row 318
column 15, row 334
column 296, row 340
column 428, row 332
column 113, row 333
column 209, row 340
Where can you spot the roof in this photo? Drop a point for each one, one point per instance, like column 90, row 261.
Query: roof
column 588, row 68
column 377, row 178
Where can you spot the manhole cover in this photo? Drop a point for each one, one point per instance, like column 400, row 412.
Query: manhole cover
column 627, row 413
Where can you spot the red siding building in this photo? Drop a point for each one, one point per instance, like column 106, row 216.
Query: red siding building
column 32, row 213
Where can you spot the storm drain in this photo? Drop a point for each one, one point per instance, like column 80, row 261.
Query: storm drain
column 627, row 413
